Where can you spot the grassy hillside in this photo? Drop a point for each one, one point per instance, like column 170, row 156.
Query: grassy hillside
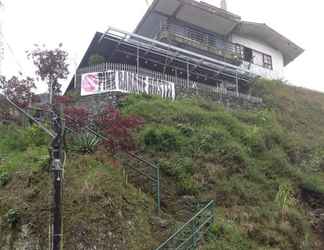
column 263, row 168
column 100, row 212
column 243, row 160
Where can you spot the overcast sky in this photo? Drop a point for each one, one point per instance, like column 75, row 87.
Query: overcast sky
column 74, row 23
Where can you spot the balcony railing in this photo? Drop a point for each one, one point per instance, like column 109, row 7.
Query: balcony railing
column 206, row 42
column 130, row 79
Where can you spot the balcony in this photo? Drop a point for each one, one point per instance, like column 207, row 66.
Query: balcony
column 210, row 44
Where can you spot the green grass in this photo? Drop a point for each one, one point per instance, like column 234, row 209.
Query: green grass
column 240, row 158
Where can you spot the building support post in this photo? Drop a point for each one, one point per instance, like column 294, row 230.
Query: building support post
column 237, row 84
column 57, row 170
column 137, row 61
column 188, row 75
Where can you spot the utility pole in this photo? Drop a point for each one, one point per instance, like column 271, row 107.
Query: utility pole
column 57, row 169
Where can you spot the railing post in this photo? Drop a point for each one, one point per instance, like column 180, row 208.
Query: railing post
column 158, row 202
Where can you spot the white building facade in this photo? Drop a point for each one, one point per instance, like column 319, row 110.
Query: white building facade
column 195, row 24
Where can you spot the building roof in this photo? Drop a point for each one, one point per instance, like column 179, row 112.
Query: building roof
column 196, row 13
column 263, row 32
column 222, row 22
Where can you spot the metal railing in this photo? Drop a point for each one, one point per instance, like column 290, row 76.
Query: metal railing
column 201, row 40
column 189, row 234
column 181, row 84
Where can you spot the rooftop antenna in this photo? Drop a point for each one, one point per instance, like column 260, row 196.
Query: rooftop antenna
column 223, row 4
column 1, row 36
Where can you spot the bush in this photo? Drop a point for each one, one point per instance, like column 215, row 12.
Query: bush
column 163, row 139
column 85, row 143
column 186, row 186
column 229, row 237
column 4, row 179
column 12, row 216
column 117, row 128
column 36, row 136
column 313, row 183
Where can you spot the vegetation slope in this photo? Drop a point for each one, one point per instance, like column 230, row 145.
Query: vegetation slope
column 264, row 169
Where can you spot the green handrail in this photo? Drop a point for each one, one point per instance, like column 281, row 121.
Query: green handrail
column 195, row 225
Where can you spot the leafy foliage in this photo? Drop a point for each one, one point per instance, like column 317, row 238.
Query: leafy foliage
column 50, row 65
column 12, row 216
column 4, row 179
column 117, row 128
column 85, row 143
column 285, row 198
column 19, row 90
column 76, row 117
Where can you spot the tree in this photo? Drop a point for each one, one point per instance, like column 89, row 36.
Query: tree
column 18, row 90
column 51, row 65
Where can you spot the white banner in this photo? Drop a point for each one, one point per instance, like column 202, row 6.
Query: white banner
column 125, row 81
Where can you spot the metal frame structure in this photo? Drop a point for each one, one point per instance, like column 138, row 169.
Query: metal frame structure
column 190, row 60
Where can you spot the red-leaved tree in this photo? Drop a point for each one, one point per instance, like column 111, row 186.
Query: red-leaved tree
column 51, row 65
column 18, row 90
column 117, row 128
column 76, row 118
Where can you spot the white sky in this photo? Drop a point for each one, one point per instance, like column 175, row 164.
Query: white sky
column 74, row 23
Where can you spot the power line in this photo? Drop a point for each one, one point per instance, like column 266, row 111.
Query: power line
column 12, row 52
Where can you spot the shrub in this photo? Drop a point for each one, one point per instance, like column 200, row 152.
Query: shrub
column 117, row 128
column 4, row 179
column 12, row 217
column 36, row 136
column 76, row 117
column 313, row 183
column 285, row 198
column 163, row 139
column 186, row 186
column 85, row 143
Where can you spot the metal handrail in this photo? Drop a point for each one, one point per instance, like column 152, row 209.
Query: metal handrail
column 173, row 236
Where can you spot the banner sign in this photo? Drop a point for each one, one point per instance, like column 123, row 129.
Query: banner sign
column 125, row 81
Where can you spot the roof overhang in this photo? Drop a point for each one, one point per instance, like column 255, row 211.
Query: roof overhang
column 199, row 14
column 264, row 33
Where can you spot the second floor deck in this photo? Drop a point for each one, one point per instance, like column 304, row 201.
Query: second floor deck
column 206, row 43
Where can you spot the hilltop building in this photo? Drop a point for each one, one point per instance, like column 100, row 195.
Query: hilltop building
column 181, row 46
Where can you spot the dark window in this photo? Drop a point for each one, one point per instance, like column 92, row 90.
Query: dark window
column 267, row 61
column 257, row 58
column 248, row 54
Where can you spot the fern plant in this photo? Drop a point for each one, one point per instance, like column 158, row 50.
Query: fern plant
column 85, row 143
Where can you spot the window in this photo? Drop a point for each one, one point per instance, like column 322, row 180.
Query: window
column 195, row 35
column 267, row 61
column 248, row 55
column 257, row 58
